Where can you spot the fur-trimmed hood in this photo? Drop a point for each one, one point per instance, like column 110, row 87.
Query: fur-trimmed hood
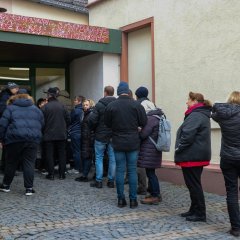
column 23, row 100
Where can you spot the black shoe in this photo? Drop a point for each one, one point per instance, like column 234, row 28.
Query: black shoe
column 122, row 203
column 195, row 218
column 4, row 188
column 29, row 191
column 50, row 177
column 96, row 184
column 235, row 232
column 62, row 176
column 81, row 179
column 133, row 203
column 110, row 184
column 187, row 214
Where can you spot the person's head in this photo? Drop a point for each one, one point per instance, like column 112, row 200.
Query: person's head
column 78, row 100
column 108, row 91
column 52, row 93
column 130, row 94
column 13, row 87
column 141, row 92
column 57, row 90
column 22, row 91
column 41, row 102
column 195, row 98
column 123, row 89
column 234, row 98
column 87, row 104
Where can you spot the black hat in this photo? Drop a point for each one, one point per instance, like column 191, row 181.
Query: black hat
column 52, row 92
column 141, row 92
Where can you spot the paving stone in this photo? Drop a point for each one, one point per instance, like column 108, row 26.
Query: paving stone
column 72, row 210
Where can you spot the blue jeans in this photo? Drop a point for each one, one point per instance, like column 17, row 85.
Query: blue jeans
column 128, row 159
column 99, row 154
column 76, row 144
column 153, row 182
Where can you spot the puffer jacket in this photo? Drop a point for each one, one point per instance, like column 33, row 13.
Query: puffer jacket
column 148, row 156
column 228, row 117
column 87, row 137
column 96, row 120
column 193, row 141
column 22, row 121
column 4, row 96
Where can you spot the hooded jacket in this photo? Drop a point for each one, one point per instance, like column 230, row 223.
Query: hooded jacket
column 64, row 98
column 193, row 141
column 96, row 120
column 22, row 121
column 228, row 117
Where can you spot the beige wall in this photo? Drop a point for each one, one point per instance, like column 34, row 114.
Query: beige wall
column 139, row 59
column 31, row 9
column 196, row 48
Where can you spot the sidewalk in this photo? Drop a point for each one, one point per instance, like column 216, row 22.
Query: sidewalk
column 72, row 210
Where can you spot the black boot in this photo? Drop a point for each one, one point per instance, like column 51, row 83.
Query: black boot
column 196, row 218
column 133, row 203
column 187, row 214
column 96, row 184
column 122, row 203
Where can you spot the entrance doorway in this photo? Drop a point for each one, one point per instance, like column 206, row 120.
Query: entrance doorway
column 35, row 78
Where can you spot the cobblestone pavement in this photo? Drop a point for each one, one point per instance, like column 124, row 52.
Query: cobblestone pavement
column 72, row 210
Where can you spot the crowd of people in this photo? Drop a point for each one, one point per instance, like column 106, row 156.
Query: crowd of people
column 119, row 130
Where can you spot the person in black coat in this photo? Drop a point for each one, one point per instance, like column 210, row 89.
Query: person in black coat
column 75, row 132
column 102, row 142
column 228, row 117
column 125, row 117
column 21, row 132
column 193, row 152
column 87, row 141
column 149, row 157
column 57, row 119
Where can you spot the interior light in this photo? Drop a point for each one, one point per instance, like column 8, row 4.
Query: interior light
column 18, row 69
column 14, row 78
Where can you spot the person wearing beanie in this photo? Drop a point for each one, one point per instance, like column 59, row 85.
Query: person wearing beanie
column 141, row 92
column 10, row 90
column 125, row 117
column 142, row 97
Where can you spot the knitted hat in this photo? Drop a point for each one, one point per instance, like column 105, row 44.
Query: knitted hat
column 148, row 105
column 12, row 85
column 141, row 92
column 122, row 88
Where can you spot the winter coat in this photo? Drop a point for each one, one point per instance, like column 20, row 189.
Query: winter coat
column 22, row 121
column 87, row 137
column 4, row 96
column 124, row 116
column 228, row 117
column 64, row 98
column 76, row 120
column 193, row 141
column 148, row 156
column 57, row 119
column 96, row 120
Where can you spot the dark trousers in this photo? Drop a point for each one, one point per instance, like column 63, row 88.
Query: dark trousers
column 231, row 173
column 16, row 152
column 58, row 147
column 153, row 182
column 87, row 163
column 192, row 177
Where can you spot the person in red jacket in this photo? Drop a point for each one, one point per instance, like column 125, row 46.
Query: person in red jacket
column 193, row 152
